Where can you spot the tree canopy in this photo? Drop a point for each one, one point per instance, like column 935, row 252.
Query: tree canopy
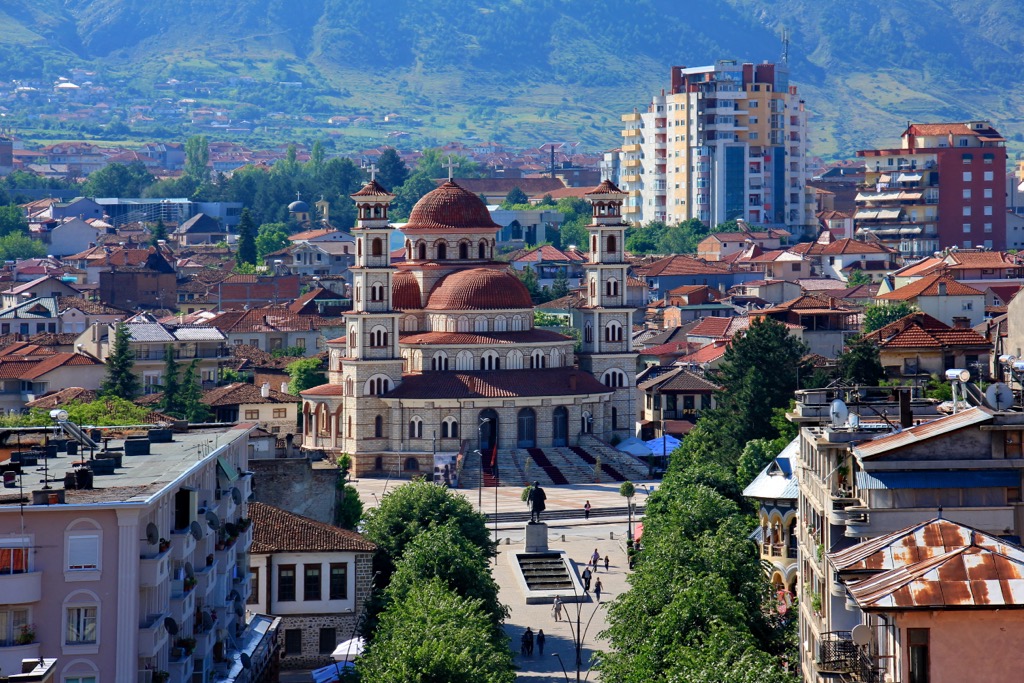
column 121, row 380
column 247, row 249
column 391, row 170
column 304, row 374
column 877, row 316
column 515, row 196
column 859, row 363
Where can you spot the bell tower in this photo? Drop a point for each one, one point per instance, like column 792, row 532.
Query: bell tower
column 373, row 363
column 607, row 319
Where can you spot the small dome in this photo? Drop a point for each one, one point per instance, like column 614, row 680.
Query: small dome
column 479, row 289
column 450, row 208
column 298, row 206
column 405, row 292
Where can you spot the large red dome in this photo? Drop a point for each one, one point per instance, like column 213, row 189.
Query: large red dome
column 479, row 289
column 405, row 292
column 450, row 208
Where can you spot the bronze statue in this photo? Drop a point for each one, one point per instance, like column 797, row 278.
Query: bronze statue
column 536, row 499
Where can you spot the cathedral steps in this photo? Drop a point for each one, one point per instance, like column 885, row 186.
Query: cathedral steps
column 545, row 464
column 553, row 466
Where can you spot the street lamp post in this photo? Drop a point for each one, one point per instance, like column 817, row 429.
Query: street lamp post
column 480, row 451
column 578, row 635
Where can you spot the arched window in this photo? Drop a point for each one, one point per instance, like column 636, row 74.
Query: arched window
column 376, row 292
column 378, row 337
column 613, row 332
column 421, row 251
column 463, row 250
column 323, row 419
column 490, row 361
column 615, row 417
column 449, row 325
column 353, row 338
column 463, row 324
column 450, row 428
column 517, row 323
column 378, row 426
column 556, row 358
column 377, row 385
column 408, row 249
column 588, row 333
column 348, row 387
column 411, row 465
column 480, row 324
column 481, row 250
column 464, row 361
column 611, row 287
column 500, row 323
column 514, row 360
column 416, row 427
column 593, row 288
column 526, row 428
column 439, row 362
column 537, row 359
column 612, row 244
column 441, row 249
column 614, row 378
column 410, row 323
column 377, row 247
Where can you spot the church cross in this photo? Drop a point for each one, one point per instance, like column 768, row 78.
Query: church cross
column 451, row 166
column 373, row 172
column 298, row 196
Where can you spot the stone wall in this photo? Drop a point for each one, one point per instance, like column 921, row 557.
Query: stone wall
column 293, row 484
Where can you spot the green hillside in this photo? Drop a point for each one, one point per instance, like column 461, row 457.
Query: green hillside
column 529, row 71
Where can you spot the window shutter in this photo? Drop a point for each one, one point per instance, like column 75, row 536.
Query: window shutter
column 83, row 552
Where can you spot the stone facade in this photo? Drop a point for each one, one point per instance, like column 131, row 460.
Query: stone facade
column 294, row 484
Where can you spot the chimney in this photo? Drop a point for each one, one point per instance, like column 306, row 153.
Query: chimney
column 961, row 323
column 284, row 387
column 906, row 415
column 265, row 390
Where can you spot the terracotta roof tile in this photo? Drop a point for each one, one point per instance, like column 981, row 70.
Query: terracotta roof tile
column 372, row 189
column 684, row 265
column 405, row 292
column 498, row 384
column 279, row 531
column 479, row 289
column 534, row 336
column 243, row 392
column 450, row 208
column 929, row 286
column 852, row 246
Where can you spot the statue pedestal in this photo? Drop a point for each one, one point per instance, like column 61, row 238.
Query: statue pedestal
column 536, row 537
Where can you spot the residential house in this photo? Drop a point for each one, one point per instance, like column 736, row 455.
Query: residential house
column 777, row 264
column 775, row 491
column 139, row 566
column 240, row 291
column 821, row 322
column 840, row 258
column 149, row 341
column 549, row 263
column 921, row 345
column 672, row 398
column 314, row 258
column 148, row 285
column 335, row 566
column 200, row 229
column 674, row 271
column 31, row 317
column 46, row 286
column 98, row 259
column 718, row 246
column 941, row 297
column 762, row 292
column 29, row 370
column 276, row 327
column 77, row 314
column 693, row 302
column 71, row 236
column 240, row 401
column 858, row 295
column 839, row 223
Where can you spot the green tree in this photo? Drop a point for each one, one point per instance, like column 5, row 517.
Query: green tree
column 434, row 635
column 349, row 510
column 645, row 240
column 118, row 180
column 391, row 170
column 514, row 197
column 434, row 163
column 755, row 456
column 858, row 277
column 877, row 316
column 12, row 220
column 191, row 396
column 729, row 226
column 859, row 363
column 158, row 233
column 247, row 251
column 315, row 166
column 197, row 156
column 170, row 403
column 270, row 238
column 121, row 380
column 409, row 510
column 411, row 191
column 103, row 412
column 304, row 374
column 560, row 287
column 16, row 245
column 528, row 276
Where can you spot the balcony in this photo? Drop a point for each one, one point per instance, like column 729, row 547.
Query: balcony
column 838, row 654
column 183, row 604
column 180, row 667
column 777, row 551
column 183, row 544
column 11, row 655
column 153, row 569
column 863, row 521
column 839, row 512
column 152, row 635
column 21, row 589
column 206, row 578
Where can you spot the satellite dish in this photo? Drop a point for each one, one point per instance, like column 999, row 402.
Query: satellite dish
column 152, row 534
column 862, row 635
column 246, row 661
column 171, row 625
column 853, row 421
column 999, row 396
column 213, row 520
column 236, row 495
column 838, row 411
column 958, row 375
column 195, row 530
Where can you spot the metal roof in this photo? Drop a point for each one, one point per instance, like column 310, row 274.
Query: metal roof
column 950, row 479
column 922, row 432
column 776, row 480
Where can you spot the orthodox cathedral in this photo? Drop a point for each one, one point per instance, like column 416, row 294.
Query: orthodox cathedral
column 441, row 354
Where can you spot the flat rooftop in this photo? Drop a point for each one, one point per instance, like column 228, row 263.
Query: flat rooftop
column 138, row 478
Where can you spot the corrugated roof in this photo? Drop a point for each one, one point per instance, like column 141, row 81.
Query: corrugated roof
column 776, row 480
column 952, row 479
column 923, row 432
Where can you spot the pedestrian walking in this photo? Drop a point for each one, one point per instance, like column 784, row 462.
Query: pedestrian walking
column 529, row 642
column 586, row 578
column 586, row 510
column 522, row 641
column 556, row 608
column 606, row 563
column 597, row 589
column 540, row 642
column 595, row 558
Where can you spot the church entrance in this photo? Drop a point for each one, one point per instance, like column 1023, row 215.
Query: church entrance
column 488, row 430
column 526, row 428
column 560, row 427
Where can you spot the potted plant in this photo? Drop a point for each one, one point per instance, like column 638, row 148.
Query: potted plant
column 209, row 559
column 188, row 645
column 26, row 634
column 189, row 583
column 165, row 545
column 161, row 676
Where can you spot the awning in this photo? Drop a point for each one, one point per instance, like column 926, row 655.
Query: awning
column 348, row 650
column 227, row 469
column 939, row 480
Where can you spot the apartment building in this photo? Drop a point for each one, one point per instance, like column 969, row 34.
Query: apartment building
column 725, row 142
column 943, row 187
column 878, row 463
column 135, row 567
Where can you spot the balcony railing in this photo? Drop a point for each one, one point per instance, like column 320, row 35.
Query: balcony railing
column 837, row 653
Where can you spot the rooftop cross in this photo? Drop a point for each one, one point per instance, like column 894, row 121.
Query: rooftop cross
column 298, row 196
column 451, row 166
column 373, row 172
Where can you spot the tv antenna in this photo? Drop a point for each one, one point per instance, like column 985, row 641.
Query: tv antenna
column 785, row 46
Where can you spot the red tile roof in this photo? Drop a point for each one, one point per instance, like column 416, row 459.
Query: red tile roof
column 498, row 384
column 278, row 531
column 450, row 208
column 534, row 336
column 929, row 286
column 705, row 354
column 547, row 252
column 405, row 294
column 269, row 319
column 479, row 289
column 681, row 264
column 920, row 330
column 852, row 246
column 63, row 397
column 372, row 189
column 710, row 327
column 925, row 266
column 243, row 392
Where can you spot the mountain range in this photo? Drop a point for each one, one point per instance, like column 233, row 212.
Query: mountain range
column 533, row 71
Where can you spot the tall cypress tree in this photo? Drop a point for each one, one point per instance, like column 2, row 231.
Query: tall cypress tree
column 171, row 402
column 191, row 394
column 246, row 239
column 158, row 233
column 121, row 380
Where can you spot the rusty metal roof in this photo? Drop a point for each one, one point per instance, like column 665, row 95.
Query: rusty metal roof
column 937, row 564
column 922, row 432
